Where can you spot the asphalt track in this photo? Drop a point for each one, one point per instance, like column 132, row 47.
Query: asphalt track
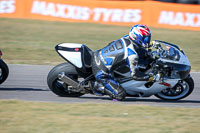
column 28, row 83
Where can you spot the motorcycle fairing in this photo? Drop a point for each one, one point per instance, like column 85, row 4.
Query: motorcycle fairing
column 181, row 64
column 134, row 87
column 182, row 57
column 78, row 55
column 70, row 52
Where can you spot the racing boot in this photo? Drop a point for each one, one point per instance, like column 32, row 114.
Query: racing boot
column 98, row 89
column 115, row 91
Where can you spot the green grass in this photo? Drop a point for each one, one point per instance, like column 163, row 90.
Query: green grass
column 34, row 117
column 33, row 41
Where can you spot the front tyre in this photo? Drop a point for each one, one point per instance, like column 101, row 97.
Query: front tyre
column 4, row 71
column 57, row 86
column 181, row 90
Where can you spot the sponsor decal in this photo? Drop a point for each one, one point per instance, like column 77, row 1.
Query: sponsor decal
column 117, row 15
column 7, row 6
column 85, row 13
column 179, row 18
column 60, row 10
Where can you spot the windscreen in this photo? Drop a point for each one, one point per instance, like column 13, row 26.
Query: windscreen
column 170, row 51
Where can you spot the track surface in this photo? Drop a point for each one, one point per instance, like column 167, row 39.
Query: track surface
column 28, row 82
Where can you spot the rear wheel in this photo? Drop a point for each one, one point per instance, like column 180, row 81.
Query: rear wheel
column 4, row 71
column 59, row 87
column 181, row 90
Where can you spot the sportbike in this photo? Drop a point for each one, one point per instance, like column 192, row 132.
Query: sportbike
column 167, row 61
column 4, row 71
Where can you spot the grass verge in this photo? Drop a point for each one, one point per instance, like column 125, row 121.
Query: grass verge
column 34, row 117
column 33, row 41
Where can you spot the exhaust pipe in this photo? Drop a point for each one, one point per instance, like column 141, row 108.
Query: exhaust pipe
column 68, row 80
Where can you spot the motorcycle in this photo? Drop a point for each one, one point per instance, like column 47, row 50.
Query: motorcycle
column 167, row 61
column 4, row 71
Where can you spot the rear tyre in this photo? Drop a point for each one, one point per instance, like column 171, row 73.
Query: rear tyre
column 181, row 90
column 57, row 86
column 4, row 71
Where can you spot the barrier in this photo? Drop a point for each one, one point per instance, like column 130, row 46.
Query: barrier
column 151, row 13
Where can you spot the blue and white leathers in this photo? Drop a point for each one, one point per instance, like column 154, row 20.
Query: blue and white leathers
column 117, row 53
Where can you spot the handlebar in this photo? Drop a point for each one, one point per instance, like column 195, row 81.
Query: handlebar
column 159, row 51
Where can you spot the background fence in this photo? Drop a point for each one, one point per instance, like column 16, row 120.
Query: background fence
column 151, row 13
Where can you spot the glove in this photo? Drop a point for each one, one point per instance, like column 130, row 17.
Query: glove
column 153, row 77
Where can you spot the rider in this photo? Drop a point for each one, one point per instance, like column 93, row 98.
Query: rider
column 123, row 51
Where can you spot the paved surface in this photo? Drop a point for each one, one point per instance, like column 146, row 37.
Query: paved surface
column 28, row 82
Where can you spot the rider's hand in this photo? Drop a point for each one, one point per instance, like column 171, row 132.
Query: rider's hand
column 153, row 77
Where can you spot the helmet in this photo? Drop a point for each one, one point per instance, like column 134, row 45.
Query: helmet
column 141, row 34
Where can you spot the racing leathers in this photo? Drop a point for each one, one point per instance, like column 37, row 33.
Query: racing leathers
column 117, row 53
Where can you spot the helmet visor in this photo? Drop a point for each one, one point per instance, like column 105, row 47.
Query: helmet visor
column 147, row 40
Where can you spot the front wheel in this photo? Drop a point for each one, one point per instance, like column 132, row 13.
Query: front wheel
column 181, row 90
column 4, row 71
column 57, row 86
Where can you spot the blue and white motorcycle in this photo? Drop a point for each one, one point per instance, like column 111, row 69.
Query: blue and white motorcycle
column 167, row 61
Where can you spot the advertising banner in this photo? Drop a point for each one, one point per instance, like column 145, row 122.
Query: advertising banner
column 151, row 13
